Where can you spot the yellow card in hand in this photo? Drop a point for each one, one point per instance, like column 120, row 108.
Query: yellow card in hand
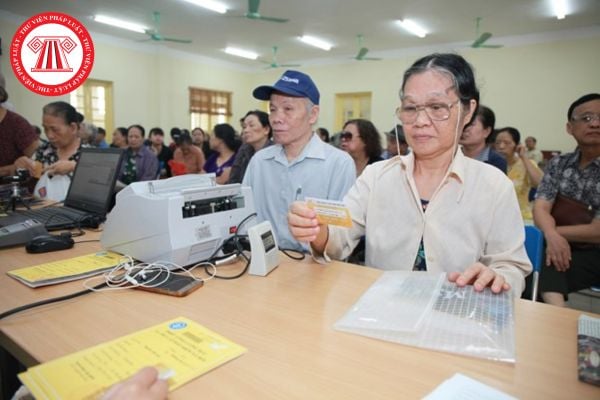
column 330, row 212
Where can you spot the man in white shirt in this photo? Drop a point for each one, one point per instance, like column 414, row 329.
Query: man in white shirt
column 533, row 153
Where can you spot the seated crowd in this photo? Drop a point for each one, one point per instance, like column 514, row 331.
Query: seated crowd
column 428, row 202
column 432, row 172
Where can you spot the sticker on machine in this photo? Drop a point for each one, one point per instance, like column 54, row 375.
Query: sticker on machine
column 203, row 232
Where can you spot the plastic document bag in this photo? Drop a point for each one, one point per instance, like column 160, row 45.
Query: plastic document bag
column 425, row 310
column 52, row 188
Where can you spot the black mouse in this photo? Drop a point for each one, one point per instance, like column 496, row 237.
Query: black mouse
column 45, row 243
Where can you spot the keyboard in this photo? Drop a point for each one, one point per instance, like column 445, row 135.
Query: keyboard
column 56, row 217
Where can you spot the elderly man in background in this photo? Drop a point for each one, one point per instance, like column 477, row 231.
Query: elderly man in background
column 475, row 137
column 533, row 153
column 395, row 143
column 567, row 208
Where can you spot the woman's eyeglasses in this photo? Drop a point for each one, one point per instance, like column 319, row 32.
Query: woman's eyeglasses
column 346, row 136
column 435, row 111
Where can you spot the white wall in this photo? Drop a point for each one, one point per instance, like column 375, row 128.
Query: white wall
column 529, row 87
column 150, row 86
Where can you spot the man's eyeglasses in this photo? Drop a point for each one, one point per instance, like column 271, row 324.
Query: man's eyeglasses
column 346, row 136
column 435, row 111
column 586, row 118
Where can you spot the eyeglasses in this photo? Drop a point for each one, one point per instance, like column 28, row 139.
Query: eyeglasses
column 586, row 118
column 346, row 136
column 435, row 111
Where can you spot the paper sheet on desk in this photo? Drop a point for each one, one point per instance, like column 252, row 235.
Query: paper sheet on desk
column 179, row 347
column 423, row 309
column 66, row 270
column 461, row 387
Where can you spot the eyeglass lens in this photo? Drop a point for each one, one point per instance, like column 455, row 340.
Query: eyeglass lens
column 436, row 111
column 587, row 118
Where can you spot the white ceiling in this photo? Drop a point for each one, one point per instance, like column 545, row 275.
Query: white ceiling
column 451, row 23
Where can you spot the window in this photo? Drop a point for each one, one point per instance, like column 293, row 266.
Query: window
column 208, row 108
column 94, row 100
column 351, row 106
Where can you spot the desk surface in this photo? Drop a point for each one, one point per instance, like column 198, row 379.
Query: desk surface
column 286, row 322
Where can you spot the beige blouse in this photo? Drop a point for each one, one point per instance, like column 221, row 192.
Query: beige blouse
column 474, row 216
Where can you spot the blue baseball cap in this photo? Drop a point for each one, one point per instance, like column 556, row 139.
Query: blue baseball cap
column 293, row 83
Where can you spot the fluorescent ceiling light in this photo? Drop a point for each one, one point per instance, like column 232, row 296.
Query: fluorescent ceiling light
column 560, row 8
column 413, row 27
column 119, row 23
column 241, row 53
column 210, row 5
column 313, row 41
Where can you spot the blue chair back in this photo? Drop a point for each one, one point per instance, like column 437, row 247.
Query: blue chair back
column 534, row 245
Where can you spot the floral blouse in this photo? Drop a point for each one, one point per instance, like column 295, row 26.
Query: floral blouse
column 47, row 154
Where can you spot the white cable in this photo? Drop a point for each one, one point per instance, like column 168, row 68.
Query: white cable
column 227, row 260
column 209, row 264
column 456, row 135
column 397, row 141
column 126, row 274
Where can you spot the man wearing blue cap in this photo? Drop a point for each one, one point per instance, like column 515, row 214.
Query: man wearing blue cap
column 299, row 165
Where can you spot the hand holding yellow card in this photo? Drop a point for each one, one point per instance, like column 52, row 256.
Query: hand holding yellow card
column 330, row 212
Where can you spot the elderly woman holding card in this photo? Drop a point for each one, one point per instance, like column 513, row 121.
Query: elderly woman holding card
column 433, row 209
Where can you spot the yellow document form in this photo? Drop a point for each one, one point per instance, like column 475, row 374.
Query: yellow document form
column 66, row 270
column 180, row 349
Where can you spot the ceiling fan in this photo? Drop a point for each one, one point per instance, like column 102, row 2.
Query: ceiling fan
column 362, row 51
column 252, row 13
column 482, row 38
column 154, row 34
column 274, row 64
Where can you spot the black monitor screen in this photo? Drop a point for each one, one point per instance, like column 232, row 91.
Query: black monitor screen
column 94, row 180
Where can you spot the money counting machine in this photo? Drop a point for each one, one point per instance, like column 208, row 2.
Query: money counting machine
column 183, row 220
